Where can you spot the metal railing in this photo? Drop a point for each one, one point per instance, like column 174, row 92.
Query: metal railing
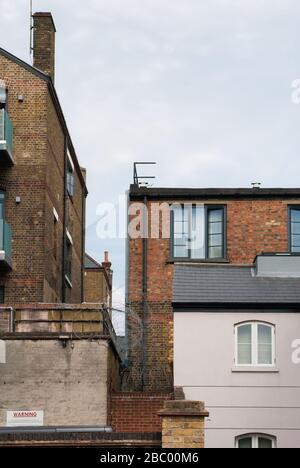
column 6, row 132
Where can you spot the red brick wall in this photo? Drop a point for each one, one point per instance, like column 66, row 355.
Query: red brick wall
column 253, row 227
column 137, row 412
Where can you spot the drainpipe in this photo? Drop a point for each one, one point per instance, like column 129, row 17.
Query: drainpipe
column 12, row 320
column 127, row 305
column 63, row 293
column 83, row 242
column 145, row 291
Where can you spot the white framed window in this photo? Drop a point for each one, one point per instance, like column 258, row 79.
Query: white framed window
column 255, row 441
column 255, row 344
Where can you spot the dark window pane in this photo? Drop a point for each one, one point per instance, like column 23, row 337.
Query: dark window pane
column 181, row 252
column 215, row 215
column 265, row 443
column 296, row 241
column 2, row 200
column 295, row 228
column 181, row 213
column 245, row 443
column 215, row 240
column 181, row 227
column 265, row 344
column 215, row 235
column 215, row 228
column 244, row 345
column 197, row 233
column 215, row 252
column 1, row 294
column 295, row 215
column 180, row 232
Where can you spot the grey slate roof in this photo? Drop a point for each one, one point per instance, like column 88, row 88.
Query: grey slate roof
column 229, row 284
column 89, row 262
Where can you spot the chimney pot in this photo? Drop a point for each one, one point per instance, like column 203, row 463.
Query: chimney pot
column 44, row 43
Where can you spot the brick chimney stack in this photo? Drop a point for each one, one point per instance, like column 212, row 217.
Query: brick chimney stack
column 106, row 264
column 44, row 43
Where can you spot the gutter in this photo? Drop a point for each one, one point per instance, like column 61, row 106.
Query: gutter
column 145, row 292
column 209, row 306
column 63, row 294
column 54, row 430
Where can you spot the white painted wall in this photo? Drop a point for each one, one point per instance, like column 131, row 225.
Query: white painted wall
column 239, row 403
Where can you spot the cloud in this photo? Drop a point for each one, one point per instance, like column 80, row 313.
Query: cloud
column 201, row 87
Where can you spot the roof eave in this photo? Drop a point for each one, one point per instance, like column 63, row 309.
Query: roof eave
column 139, row 193
column 234, row 305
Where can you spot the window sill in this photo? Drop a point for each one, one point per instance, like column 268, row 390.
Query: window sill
column 255, row 370
column 203, row 261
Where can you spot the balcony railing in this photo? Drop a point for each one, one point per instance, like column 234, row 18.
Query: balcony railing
column 5, row 243
column 6, row 138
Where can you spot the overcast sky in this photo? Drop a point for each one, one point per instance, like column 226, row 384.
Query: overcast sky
column 202, row 87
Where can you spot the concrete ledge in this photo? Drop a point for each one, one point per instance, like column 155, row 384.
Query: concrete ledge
column 184, row 408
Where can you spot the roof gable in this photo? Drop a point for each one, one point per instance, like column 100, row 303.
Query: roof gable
column 91, row 263
column 25, row 65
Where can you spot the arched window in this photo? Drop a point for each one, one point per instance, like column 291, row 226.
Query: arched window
column 255, row 344
column 255, row 441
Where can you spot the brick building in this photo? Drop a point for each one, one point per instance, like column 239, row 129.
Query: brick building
column 80, row 341
column 98, row 281
column 42, row 186
column 231, row 227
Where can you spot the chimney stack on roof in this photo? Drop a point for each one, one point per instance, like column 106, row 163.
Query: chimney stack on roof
column 106, row 264
column 44, row 43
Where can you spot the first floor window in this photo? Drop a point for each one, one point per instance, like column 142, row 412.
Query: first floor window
column 254, row 441
column 198, row 232
column 255, row 344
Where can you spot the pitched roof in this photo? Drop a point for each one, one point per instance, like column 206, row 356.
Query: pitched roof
column 25, row 65
column 90, row 262
column 221, row 285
